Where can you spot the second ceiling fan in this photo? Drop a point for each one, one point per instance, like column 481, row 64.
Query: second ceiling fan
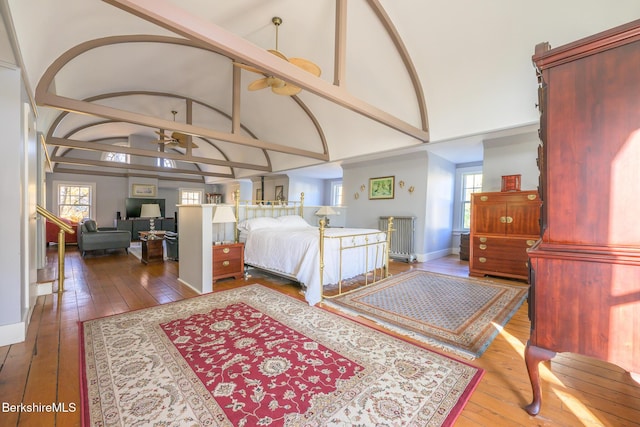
column 276, row 84
column 175, row 138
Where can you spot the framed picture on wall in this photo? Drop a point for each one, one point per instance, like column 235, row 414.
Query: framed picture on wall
column 143, row 190
column 381, row 188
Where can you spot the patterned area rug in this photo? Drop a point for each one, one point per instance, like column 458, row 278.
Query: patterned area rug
column 252, row 356
column 453, row 313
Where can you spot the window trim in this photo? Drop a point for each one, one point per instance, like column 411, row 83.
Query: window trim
column 459, row 191
column 334, row 185
column 200, row 191
column 56, row 195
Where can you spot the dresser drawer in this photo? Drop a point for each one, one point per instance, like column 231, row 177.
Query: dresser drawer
column 228, row 261
column 227, row 252
column 226, row 266
column 512, row 249
column 493, row 264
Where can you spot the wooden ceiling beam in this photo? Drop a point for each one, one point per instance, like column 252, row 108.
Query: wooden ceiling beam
column 340, row 50
column 106, row 148
column 99, row 172
column 177, row 20
column 116, row 165
column 83, row 107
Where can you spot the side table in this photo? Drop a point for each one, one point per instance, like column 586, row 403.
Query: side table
column 152, row 250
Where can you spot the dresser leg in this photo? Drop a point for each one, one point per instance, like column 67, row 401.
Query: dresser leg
column 533, row 356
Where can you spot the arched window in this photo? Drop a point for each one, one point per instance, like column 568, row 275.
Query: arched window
column 112, row 156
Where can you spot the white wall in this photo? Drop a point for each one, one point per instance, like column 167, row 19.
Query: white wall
column 511, row 156
column 111, row 193
column 430, row 202
column 18, row 183
column 439, row 211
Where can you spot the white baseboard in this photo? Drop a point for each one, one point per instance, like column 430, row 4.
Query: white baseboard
column 187, row 284
column 13, row 333
column 45, row 288
column 433, row 255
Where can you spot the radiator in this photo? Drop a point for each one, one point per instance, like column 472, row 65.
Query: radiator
column 403, row 237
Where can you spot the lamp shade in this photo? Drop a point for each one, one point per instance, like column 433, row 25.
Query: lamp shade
column 150, row 210
column 325, row 210
column 223, row 214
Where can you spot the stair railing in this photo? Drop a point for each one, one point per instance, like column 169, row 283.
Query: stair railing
column 64, row 228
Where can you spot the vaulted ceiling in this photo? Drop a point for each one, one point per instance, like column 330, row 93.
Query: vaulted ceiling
column 407, row 75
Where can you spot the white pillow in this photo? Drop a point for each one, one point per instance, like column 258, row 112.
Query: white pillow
column 292, row 221
column 258, row 223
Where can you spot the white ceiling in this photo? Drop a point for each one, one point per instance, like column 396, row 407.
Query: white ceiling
column 473, row 61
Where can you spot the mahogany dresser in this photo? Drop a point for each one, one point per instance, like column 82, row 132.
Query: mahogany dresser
column 503, row 226
column 585, row 271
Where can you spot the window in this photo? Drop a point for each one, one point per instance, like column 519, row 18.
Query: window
column 190, row 196
column 112, row 156
column 471, row 183
column 336, row 193
column 165, row 163
column 116, row 157
column 75, row 201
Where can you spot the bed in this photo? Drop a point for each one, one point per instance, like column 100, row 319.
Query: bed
column 278, row 239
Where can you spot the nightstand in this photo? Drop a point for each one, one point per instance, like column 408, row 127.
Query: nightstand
column 228, row 261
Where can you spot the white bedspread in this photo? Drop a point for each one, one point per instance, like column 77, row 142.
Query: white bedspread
column 296, row 252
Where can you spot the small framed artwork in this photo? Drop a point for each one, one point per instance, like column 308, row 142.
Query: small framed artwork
column 381, row 188
column 259, row 195
column 143, row 190
column 279, row 193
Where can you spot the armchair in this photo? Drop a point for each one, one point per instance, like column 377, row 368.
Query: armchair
column 52, row 232
column 90, row 238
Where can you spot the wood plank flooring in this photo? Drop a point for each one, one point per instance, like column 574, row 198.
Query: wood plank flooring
column 577, row 391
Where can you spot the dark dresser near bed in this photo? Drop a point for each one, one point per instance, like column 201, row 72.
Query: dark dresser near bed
column 585, row 271
column 228, row 261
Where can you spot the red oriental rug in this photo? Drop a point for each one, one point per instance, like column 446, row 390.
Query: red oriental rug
column 252, row 356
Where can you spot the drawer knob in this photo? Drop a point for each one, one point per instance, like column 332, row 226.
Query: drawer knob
column 530, row 242
column 483, row 247
column 532, row 196
column 484, row 198
column 483, row 239
column 225, row 250
column 482, row 259
column 225, row 263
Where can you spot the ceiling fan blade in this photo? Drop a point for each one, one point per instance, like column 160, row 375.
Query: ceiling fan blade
column 287, row 89
column 259, row 84
column 278, row 54
column 248, row 68
column 181, row 140
column 306, row 65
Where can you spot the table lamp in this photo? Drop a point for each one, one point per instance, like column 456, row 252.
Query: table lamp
column 151, row 211
column 222, row 215
column 325, row 211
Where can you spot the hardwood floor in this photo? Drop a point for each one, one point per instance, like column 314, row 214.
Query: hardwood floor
column 45, row 368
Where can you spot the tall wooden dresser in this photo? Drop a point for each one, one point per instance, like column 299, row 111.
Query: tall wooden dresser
column 585, row 271
column 503, row 226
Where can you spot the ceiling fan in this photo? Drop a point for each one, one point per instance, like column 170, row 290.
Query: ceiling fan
column 276, row 84
column 175, row 139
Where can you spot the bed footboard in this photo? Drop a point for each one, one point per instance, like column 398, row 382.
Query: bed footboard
column 375, row 262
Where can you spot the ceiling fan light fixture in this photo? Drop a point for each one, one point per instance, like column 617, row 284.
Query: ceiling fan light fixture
column 275, row 82
column 277, row 85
